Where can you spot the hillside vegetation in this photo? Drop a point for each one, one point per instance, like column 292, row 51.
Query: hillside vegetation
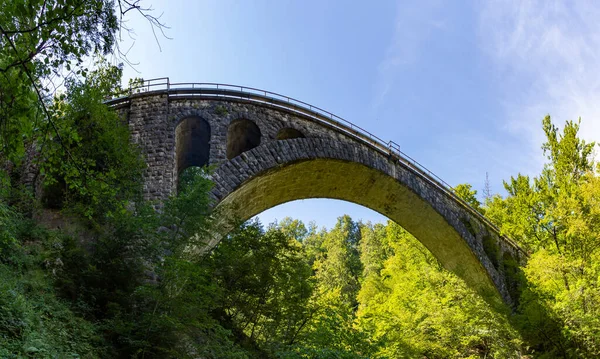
column 89, row 269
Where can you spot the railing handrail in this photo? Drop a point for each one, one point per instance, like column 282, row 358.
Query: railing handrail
column 290, row 103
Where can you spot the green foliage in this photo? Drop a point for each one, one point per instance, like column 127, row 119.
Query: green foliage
column 332, row 326
column 466, row 192
column 414, row 308
column 406, row 305
column 221, row 111
column 374, row 249
column 188, row 212
column 92, row 166
column 492, row 250
column 20, row 115
column 555, row 216
column 60, row 32
column 8, row 220
column 339, row 266
column 40, row 39
column 314, row 353
column 293, row 228
column 266, row 286
column 34, row 322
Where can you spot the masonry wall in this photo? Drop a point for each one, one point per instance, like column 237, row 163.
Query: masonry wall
column 153, row 120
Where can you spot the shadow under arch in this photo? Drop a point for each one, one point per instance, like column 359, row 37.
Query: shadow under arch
column 192, row 143
column 315, row 168
column 242, row 135
column 288, row 133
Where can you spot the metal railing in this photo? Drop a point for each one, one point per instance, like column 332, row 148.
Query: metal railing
column 227, row 91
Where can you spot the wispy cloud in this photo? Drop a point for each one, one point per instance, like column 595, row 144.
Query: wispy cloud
column 414, row 22
column 547, row 58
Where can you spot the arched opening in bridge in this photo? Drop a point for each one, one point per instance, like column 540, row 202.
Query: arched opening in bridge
column 323, row 212
column 371, row 188
column 192, row 141
column 289, row 133
column 242, row 135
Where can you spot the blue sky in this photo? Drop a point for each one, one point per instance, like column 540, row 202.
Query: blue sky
column 462, row 86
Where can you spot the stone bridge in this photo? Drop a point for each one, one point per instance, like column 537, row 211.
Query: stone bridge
column 269, row 149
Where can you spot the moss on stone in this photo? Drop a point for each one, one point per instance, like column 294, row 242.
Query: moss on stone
column 491, row 249
column 512, row 276
column 469, row 226
column 221, row 110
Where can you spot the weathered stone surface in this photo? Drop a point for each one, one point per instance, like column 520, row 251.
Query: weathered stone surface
column 318, row 161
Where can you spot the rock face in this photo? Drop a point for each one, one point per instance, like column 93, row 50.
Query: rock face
column 266, row 155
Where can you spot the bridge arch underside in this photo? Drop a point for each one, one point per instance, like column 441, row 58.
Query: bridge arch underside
column 303, row 168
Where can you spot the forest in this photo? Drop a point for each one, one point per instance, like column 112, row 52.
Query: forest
column 89, row 269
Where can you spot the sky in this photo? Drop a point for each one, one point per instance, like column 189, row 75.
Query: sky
column 461, row 86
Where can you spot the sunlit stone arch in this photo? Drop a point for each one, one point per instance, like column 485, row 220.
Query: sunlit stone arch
column 304, row 168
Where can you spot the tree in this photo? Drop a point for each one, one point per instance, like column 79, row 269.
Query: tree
column 293, row 228
column 266, row 286
column 92, row 165
column 339, row 266
column 466, row 192
column 41, row 38
column 374, row 249
column 40, row 42
column 418, row 309
column 337, row 269
column 554, row 217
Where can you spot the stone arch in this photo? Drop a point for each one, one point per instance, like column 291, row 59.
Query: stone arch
column 282, row 171
column 242, row 135
column 192, row 143
column 287, row 133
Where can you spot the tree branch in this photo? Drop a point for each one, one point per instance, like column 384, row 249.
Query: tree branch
column 41, row 100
